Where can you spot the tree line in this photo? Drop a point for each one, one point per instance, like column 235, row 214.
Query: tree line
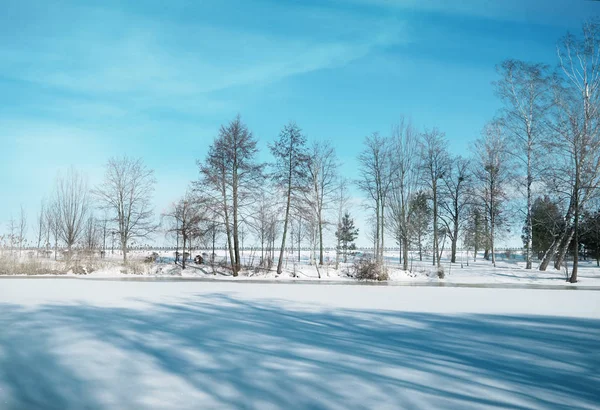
column 537, row 162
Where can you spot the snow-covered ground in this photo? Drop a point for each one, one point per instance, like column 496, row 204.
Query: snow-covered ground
column 113, row 344
column 508, row 271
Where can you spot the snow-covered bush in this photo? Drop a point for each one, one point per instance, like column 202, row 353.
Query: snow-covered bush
column 440, row 272
column 368, row 269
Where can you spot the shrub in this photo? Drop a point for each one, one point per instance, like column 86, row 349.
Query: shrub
column 368, row 269
column 440, row 272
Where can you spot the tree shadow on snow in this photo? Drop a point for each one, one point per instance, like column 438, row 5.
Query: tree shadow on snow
column 220, row 352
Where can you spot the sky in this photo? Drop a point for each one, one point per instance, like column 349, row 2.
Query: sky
column 83, row 81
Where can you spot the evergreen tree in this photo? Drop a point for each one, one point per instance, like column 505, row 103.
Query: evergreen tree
column 590, row 235
column 420, row 219
column 547, row 224
column 346, row 233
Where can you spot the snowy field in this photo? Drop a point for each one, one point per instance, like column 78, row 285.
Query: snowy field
column 113, row 344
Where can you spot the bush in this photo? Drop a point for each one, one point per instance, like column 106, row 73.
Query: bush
column 367, row 269
column 440, row 272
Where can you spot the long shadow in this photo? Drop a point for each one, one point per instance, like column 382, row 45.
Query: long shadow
column 219, row 352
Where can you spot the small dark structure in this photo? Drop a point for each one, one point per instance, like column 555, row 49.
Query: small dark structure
column 198, row 260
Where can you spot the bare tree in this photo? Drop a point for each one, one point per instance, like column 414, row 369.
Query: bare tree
column 289, row 171
column 71, row 207
column 435, row 164
column 491, row 172
column 375, row 181
column 525, row 91
column 577, row 126
column 321, row 177
column 232, row 172
column 404, row 184
column 455, row 192
column 126, row 194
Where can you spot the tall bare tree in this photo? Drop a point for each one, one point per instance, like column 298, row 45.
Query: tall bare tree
column 404, row 184
column 435, row 164
column 289, row 172
column 525, row 91
column 375, row 181
column 126, row 194
column 71, row 207
column 321, row 178
column 456, row 187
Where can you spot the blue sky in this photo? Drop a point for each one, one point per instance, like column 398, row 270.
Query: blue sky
column 83, row 81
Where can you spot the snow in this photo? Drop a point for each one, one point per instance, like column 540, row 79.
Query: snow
column 479, row 272
column 68, row 343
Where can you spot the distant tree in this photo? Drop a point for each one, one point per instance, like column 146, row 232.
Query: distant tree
column 289, row 171
column 126, row 194
column 346, row 234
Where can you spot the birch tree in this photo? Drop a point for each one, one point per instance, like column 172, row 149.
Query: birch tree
column 525, row 91
column 576, row 122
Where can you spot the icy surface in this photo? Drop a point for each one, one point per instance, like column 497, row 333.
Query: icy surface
column 92, row 344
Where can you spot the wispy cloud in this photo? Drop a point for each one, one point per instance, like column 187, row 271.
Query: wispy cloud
column 154, row 59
